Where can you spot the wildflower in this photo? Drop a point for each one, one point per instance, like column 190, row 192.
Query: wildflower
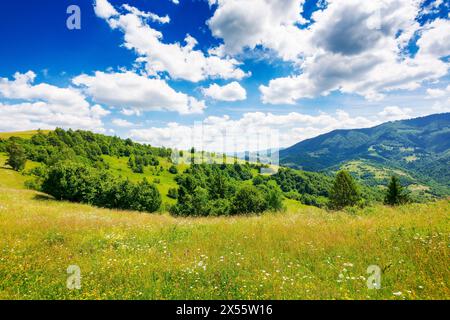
column 399, row 293
column 348, row 264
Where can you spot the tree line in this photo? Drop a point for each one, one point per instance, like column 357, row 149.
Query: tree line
column 74, row 170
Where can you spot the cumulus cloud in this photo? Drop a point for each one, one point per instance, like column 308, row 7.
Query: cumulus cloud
column 31, row 106
column 130, row 112
column 180, row 61
column 435, row 39
column 434, row 93
column 146, row 15
column 104, row 9
column 269, row 23
column 392, row 113
column 255, row 131
column 122, row 123
column 350, row 46
column 130, row 90
column 259, row 126
column 229, row 92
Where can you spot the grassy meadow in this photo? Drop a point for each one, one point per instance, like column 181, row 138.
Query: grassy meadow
column 302, row 253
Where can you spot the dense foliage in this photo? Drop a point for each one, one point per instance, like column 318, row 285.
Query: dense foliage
column 307, row 187
column 80, row 183
column 73, row 168
column 85, row 147
column 224, row 190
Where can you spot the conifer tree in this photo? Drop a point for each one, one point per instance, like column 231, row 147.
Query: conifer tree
column 395, row 194
column 344, row 192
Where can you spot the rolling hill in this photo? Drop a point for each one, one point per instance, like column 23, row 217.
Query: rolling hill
column 303, row 253
column 300, row 253
column 417, row 150
column 112, row 155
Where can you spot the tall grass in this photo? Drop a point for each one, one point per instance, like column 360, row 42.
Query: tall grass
column 303, row 254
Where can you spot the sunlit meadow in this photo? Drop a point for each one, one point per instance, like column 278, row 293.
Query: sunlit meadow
column 304, row 253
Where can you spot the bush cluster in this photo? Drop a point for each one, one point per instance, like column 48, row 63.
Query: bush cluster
column 205, row 190
column 80, row 183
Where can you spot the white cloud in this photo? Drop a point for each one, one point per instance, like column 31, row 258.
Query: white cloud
column 351, row 46
column 270, row 23
column 130, row 112
column 242, row 134
column 146, row 15
column 392, row 113
column 104, row 9
column 122, row 123
column 130, row 90
column 435, row 40
column 229, row 92
column 255, row 130
column 436, row 93
column 46, row 106
column 179, row 61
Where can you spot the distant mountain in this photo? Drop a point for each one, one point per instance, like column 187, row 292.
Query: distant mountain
column 417, row 147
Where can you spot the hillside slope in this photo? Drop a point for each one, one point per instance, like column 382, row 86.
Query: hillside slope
column 119, row 157
column 306, row 253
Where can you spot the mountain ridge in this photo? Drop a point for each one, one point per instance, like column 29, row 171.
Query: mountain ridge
column 418, row 146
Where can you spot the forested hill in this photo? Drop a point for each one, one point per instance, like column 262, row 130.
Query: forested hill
column 112, row 172
column 420, row 147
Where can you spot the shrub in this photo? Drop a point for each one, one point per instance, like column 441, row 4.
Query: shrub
column 32, row 184
column 249, row 199
column 172, row 193
column 192, row 204
column 220, row 207
column 144, row 197
column 273, row 195
column 173, row 169
column 78, row 182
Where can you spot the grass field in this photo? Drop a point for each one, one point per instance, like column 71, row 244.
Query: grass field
column 304, row 253
column 21, row 134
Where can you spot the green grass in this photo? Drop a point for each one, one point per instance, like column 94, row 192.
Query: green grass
column 11, row 178
column 303, row 253
column 20, row 134
column 119, row 167
column 360, row 167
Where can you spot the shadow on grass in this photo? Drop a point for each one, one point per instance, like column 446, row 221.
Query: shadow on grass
column 43, row 197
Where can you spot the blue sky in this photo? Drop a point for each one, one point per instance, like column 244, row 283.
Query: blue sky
column 150, row 69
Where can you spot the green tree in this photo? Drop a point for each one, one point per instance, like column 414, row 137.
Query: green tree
column 395, row 194
column 16, row 156
column 273, row 195
column 173, row 169
column 145, row 197
column 344, row 191
column 249, row 199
